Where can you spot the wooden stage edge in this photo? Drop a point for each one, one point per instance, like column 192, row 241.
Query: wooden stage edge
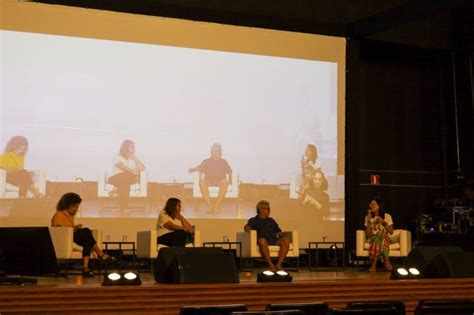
column 77, row 298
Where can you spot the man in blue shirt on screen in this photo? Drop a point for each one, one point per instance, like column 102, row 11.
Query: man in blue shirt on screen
column 268, row 233
column 217, row 173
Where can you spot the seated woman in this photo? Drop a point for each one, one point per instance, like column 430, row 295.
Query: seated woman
column 126, row 172
column 314, row 193
column 66, row 209
column 13, row 161
column 308, row 161
column 173, row 229
column 378, row 226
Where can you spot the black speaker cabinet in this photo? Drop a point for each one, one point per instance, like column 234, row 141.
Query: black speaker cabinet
column 420, row 257
column 195, row 265
column 451, row 265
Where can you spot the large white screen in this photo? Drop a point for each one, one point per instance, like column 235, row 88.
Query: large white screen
column 77, row 99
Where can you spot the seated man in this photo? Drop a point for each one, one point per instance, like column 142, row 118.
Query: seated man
column 217, row 172
column 268, row 233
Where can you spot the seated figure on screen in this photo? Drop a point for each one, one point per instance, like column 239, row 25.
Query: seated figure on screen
column 13, row 161
column 313, row 193
column 378, row 226
column 308, row 161
column 217, row 173
column 66, row 210
column 173, row 229
column 268, row 233
column 126, row 172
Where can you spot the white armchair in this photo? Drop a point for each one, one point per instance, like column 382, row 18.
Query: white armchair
column 250, row 247
column 64, row 246
column 10, row 191
column 400, row 246
column 148, row 248
column 232, row 189
column 136, row 190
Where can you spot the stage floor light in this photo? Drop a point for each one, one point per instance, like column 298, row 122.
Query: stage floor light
column 405, row 273
column 270, row 276
column 127, row 278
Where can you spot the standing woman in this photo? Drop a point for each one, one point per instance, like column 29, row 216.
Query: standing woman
column 378, row 226
column 173, row 229
column 66, row 210
column 126, row 172
column 13, row 161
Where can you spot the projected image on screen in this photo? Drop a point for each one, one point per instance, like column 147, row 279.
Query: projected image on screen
column 129, row 125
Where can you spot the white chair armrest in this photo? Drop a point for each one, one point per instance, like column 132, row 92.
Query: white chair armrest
column 39, row 178
column 143, row 183
column 3, row 182
column 244, row 238
column 405, row 243
column 147, row 244
column 62, row 238
column 197, row 238
column 360, row 241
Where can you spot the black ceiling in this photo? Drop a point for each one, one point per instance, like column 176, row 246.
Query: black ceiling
column 442, row 24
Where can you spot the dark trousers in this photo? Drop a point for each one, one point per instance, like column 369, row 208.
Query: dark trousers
column 178, row 238
column 20, row 178
column 123, row 181
column 84, row 238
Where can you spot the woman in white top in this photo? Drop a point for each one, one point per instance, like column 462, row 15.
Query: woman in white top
column 173, row 229
column 308, row 160
column 126, row 172
column 378, row 226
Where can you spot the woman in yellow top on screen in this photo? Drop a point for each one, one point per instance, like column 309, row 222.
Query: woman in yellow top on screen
column 13, row 161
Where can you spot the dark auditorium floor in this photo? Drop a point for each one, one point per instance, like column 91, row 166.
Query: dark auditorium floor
column 245, row 277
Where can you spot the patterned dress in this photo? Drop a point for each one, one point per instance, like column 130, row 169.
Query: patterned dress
column 379, row 241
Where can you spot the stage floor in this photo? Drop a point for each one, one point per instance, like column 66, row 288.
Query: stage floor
column 78, row 295
column 245, row 277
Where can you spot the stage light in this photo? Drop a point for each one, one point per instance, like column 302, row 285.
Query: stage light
column 115, row 278
column 405, row 273
column 270, row 276
column 130, row 276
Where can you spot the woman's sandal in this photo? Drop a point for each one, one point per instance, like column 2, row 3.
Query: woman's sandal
column 87, row 273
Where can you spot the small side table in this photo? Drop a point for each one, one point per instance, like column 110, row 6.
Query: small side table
column 228, row 246
column 120, row 248
column 317, row 246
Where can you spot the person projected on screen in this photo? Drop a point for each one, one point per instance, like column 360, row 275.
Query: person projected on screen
column 378, row 226
column 308, row 161
column 308, row 167
column 315, row 195
column 126, row 172
column 217, row 173
column 66, row 210
column 13, row 161
column 173, row 229
column 268, row 233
